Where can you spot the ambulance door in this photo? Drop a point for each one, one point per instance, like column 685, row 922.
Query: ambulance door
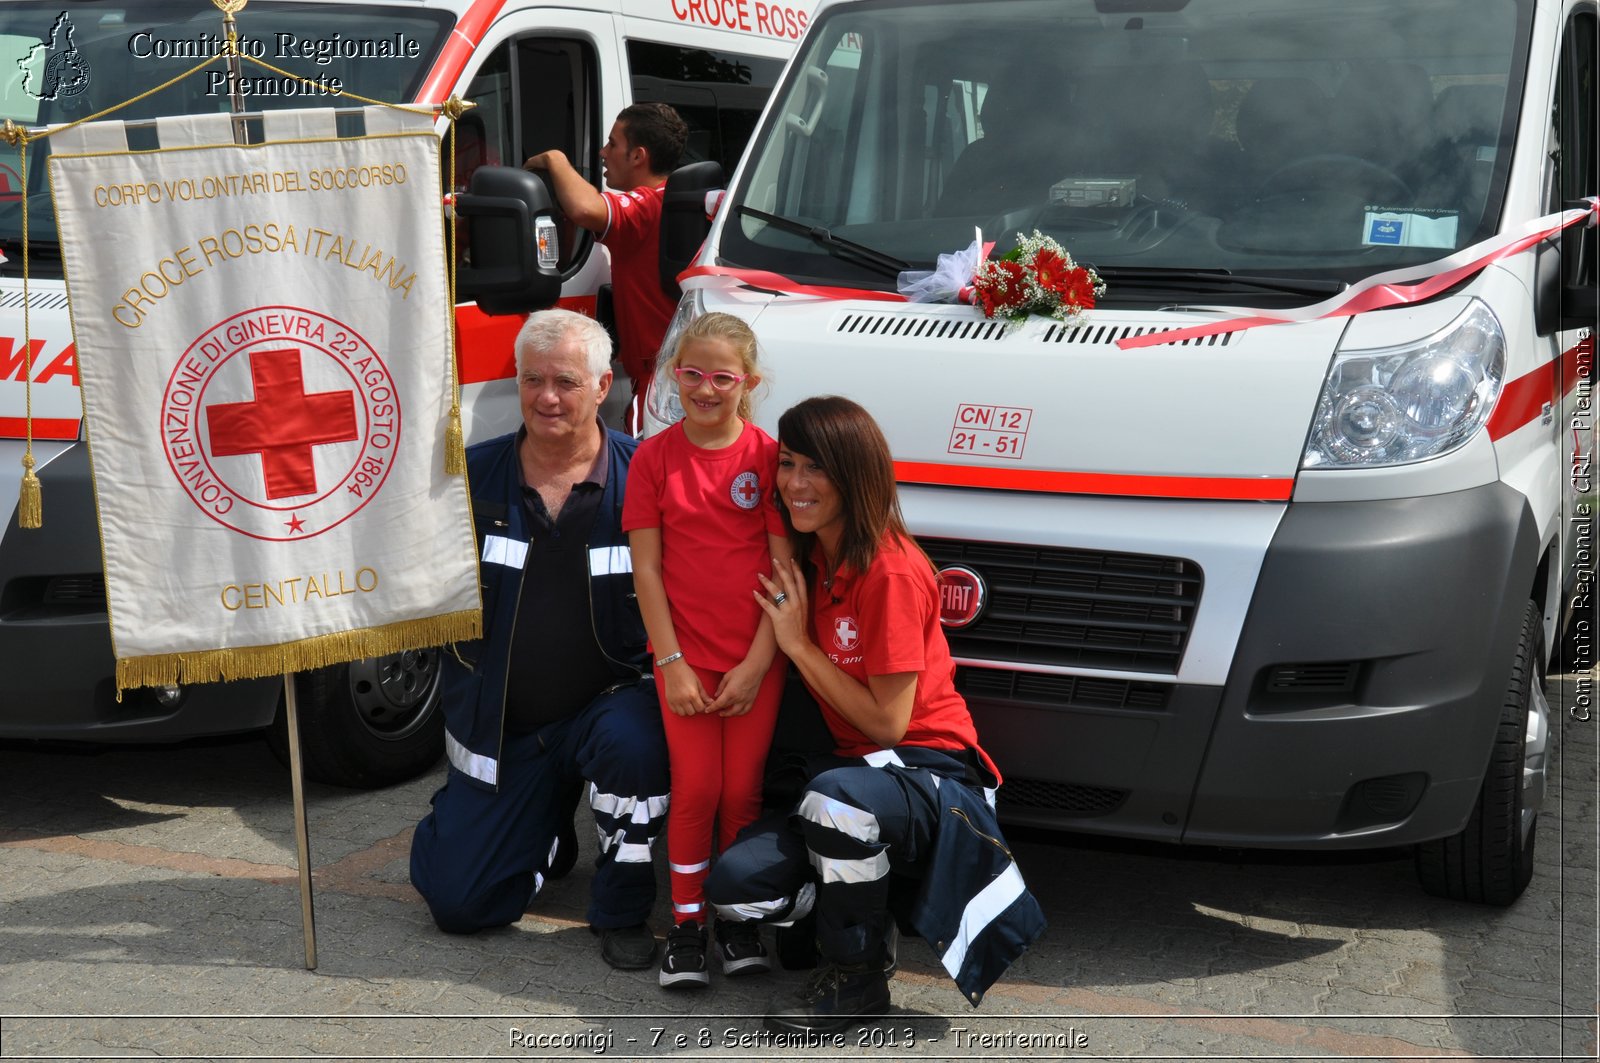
column 542, row 78
column 549, row 78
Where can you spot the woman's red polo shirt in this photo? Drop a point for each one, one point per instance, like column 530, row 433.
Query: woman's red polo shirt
column 882, row 622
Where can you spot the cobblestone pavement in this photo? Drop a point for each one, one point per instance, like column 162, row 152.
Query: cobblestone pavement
column 149, row 907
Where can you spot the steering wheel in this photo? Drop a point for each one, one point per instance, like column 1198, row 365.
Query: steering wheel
column 1335, row 170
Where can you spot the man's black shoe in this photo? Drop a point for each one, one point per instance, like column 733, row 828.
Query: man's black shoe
column 835, row 997
column 627, row 948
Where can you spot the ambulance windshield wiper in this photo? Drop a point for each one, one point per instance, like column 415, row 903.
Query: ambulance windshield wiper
column 1215, row 280
column 881, row 261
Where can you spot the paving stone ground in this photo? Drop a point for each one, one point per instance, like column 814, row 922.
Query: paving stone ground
column 149, row 908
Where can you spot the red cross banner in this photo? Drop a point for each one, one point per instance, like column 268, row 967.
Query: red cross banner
column 263, row 342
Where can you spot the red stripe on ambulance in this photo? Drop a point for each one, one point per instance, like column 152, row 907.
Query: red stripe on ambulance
column 1229, row 488
column 43, row 428
column 458, row 48
column 484, row 342
column 1525, row 398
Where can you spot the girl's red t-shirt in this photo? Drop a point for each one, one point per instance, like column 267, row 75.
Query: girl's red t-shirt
column 715, row 510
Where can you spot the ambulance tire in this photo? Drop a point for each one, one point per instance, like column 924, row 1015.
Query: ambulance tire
column 1491, row 861
column 367, row 724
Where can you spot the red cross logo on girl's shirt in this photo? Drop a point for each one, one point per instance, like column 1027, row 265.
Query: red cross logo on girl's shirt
column 746, row 490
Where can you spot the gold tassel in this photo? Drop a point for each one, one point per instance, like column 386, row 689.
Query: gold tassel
column 455, row 450
column 30, row 507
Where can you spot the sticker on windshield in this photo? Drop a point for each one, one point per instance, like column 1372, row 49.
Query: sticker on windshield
column 1410, row 227
column 997, row 431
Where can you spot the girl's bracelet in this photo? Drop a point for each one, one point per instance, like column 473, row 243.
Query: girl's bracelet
column 669, row 658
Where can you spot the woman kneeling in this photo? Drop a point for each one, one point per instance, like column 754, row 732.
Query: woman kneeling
column 907, row 794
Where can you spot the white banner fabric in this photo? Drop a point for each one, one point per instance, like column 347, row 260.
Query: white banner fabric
column 264, row 349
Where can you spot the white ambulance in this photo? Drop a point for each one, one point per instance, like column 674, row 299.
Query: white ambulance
column 543, row 76
column 1289, row 586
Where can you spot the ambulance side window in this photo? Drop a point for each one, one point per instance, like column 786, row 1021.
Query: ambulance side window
column 535, row 94
column 1574, row 120
column 719, row 94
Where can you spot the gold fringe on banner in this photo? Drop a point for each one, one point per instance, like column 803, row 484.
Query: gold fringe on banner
column 253, row 662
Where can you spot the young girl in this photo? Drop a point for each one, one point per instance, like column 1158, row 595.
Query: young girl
column 702, row 528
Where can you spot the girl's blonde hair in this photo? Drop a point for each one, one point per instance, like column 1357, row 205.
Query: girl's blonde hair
column 735, row 333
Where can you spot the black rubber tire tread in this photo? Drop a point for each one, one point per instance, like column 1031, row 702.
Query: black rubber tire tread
column 339, row 750
column 1487, row 863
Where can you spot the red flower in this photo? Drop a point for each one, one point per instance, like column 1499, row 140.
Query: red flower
column 999, row 288
column 1078, row 290
column 1050, row 270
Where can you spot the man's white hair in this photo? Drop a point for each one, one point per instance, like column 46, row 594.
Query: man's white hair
column 544, row 330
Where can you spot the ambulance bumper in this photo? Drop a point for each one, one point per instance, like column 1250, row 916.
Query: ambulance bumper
column 1358, row 711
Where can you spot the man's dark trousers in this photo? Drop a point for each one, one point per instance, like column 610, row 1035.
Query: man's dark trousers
column 480, row 856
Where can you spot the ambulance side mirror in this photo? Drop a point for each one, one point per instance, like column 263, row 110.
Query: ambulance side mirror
column 1565, row 295
column 684, row 224
column 511, row 262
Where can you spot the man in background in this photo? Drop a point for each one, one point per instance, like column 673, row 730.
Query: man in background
column 643, row 148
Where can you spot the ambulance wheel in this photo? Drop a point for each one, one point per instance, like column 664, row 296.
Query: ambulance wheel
column 369, row 723
column 1491, row 861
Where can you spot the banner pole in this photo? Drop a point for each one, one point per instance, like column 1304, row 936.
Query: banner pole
column 302, row 836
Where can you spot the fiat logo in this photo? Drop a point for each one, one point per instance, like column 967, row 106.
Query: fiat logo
column 961, row 596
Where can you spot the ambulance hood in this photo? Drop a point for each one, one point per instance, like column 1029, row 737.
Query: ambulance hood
column 969, row 401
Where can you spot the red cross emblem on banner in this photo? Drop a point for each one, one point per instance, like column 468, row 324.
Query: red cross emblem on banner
column 283, row 424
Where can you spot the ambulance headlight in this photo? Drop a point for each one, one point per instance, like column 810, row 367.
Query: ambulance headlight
column 661, row 406
column 1395, row 405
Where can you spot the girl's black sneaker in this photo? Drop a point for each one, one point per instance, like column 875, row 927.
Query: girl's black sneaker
column 684, row 964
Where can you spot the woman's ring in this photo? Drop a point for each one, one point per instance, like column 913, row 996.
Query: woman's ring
column 779, row 598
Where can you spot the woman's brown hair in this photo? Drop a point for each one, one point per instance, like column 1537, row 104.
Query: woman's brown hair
column 842, row 437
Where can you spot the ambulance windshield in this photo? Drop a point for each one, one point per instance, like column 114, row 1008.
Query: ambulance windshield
column 1311, row 141
column 62, row 63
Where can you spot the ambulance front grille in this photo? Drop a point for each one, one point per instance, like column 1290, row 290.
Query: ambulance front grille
column 1060, row 691
column 913, row 327
column 1082, row 608
column 1070, row 799
column 37, row 300
column 920, row 327
column 1103, row 335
